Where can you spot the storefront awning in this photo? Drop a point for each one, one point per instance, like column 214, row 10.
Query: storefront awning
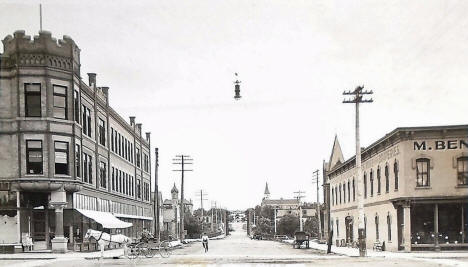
column 105, row 218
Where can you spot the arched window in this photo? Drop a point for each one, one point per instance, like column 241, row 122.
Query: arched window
column 340, row 193
column 389, row 228
column 462, row 170
column 333, row 196
column 354, row 191
column 395, row 172
column 376, row 227
column 387, row 180
column 365, row 185
column 349, row 193
column 422, row 172
column 371, row 181
column 344, row 193
column 378, row 180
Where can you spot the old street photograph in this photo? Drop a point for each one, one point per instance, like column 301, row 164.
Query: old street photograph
column 233, row 133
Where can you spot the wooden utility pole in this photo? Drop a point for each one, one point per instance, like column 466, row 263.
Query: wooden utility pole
column 358, row 95
column 299, row 195
column 316, row 179
column 202, row 197
column 157, row 232
column 182, row 160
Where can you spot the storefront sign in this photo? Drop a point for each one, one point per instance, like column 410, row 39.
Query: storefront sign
column 381, row 157
column 440, row 145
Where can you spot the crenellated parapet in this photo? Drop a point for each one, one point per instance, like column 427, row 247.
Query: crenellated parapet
column 42, row 50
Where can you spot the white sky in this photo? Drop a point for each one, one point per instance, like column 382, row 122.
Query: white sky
column 171, row 64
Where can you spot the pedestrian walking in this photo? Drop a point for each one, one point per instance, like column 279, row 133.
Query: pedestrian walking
column 205, row 241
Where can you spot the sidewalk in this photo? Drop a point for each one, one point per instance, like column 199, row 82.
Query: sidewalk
column 108, row 254
column 451, row 258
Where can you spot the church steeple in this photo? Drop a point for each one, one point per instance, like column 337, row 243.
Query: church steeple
column 267, row 192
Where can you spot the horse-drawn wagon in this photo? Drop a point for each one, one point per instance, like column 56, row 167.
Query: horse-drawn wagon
column 301, row 237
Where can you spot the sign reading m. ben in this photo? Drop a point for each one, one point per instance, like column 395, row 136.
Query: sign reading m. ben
column 440, row 145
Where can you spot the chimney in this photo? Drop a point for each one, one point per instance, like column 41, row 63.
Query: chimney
column 132, row 120
column 148, row 136
column 92, row 79
column 138, row 125
column 105, row 90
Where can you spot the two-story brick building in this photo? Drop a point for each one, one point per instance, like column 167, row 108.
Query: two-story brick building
column 64, row 150
column 415, row 188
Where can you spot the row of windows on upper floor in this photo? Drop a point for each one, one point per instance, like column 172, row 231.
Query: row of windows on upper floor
column 119, row 144
column 121, row 182
column 342, row 192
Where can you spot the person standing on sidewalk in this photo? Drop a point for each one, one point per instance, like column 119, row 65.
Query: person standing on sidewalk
column 329, row 241
column 205, row 241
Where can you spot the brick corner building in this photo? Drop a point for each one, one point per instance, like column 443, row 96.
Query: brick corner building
column 64, row 150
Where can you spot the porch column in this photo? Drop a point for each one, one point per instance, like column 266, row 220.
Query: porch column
column 436, row 227
column 407, row 226
column 58, row 202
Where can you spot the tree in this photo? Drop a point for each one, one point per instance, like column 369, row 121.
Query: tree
column 192, row 225
column 311, row 226
column 287, row 225
column 263, row 226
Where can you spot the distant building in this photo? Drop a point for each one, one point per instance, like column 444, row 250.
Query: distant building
column 171, row 212
column 415, row 188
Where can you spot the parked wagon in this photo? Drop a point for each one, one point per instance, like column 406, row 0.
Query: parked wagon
column 301, row 237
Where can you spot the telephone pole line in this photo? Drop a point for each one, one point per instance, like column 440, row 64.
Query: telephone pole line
column 202, row 197
column 357, row 98
column 316, row 179
column 182, row 160
column 299, row 195
column 156, row 195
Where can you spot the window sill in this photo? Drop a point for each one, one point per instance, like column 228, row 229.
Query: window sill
column 62, row 176
column 396, row 190
column 423, row 188
column 462, row 186
column 34, row 175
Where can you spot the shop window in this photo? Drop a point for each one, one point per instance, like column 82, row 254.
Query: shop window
column 77, row 160
column 60, row 102
column 389, row 228
column 103, row 174
column 379, row 176
column 76, row 106
column 371, row 181
column 422, row 172
column 462, row 170
column 395, row 172
column 34, row 162
column 32, row 99
column 387, row 179
column 377, row 228
column 102, row 132
column 61, row 158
